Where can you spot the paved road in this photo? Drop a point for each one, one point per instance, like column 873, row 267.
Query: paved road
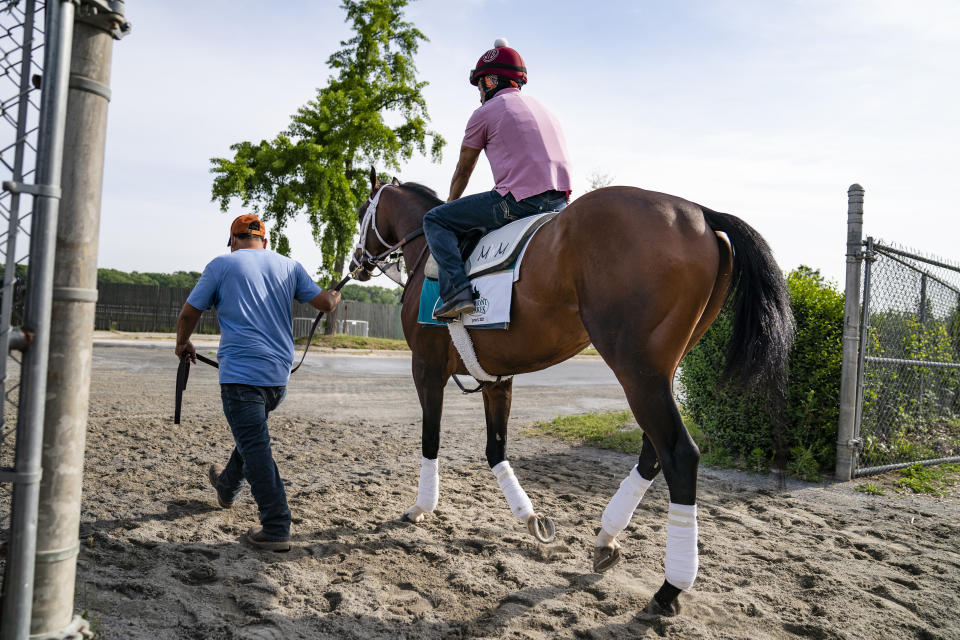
column 574, row 373
column 366, row 386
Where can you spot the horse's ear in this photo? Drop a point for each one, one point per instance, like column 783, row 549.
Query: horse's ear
column 374, row 181
column 395, row 182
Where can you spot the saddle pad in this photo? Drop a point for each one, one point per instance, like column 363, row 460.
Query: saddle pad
column 493, row 292
column 499, row 248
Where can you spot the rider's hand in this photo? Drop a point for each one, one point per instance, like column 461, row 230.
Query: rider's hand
column 187, row 349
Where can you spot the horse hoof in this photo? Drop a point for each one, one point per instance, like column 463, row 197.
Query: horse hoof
column 414, row 514
column 605, row 558
column 542, row 528
column 655, row 608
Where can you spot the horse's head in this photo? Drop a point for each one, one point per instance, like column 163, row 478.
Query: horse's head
column 372, row 247
column 391, row 218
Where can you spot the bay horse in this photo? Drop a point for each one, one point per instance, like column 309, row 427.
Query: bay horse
column 641, row 275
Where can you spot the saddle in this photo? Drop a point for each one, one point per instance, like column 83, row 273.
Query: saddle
column 485, row 253
column 492, row 262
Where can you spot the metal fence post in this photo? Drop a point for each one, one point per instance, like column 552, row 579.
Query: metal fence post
column 74, row 303
column 846, row 445
column 19, row 581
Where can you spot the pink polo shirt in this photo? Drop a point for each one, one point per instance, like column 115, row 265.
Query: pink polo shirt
column 523, row 142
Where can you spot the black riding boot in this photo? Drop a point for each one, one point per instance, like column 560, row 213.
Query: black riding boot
column 462, row 302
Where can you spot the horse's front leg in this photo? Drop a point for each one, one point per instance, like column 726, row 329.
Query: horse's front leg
column 430, row 382
column 496, row 406
column 620, row 510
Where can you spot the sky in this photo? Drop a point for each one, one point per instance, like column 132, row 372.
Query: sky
column 766, row 110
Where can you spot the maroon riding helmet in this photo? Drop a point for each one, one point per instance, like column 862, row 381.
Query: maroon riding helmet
column 502, row 61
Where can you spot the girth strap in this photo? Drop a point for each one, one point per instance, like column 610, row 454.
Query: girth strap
column 464, row 346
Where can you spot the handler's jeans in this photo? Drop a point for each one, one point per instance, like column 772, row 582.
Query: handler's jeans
column 247, row 408
column 444, row 224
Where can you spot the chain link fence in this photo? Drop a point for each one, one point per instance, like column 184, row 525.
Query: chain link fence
column 21, row 48
column 909, row 382
column 137, row 307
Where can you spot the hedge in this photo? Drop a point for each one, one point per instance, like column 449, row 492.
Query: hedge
column 737, row 424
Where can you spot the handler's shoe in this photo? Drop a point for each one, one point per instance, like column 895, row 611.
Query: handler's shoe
column 256, row 538
column 213, row 474
column 462, row 302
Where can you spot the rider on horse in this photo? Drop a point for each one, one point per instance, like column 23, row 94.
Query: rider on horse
column 527, row 153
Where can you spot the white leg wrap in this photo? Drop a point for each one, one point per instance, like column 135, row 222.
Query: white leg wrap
column 520, row 504
column 624, row 502
column 428, row 489
column 682, row 559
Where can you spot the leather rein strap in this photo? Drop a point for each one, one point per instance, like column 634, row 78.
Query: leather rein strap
column 183, row 373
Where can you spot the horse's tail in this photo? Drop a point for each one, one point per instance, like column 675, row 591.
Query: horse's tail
column 763, row 329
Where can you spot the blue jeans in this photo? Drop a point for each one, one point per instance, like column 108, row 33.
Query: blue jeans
column 247, row 408
column 443, row 225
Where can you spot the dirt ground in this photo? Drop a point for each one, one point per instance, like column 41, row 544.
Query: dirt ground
column 159, row 559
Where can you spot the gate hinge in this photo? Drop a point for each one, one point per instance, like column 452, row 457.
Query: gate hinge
column 105, row 14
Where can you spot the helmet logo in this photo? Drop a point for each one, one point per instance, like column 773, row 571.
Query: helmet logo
column 491, row 55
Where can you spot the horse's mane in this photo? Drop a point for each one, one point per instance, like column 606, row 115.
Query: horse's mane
column 424, row 192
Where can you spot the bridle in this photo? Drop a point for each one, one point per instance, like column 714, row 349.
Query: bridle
column 388, row 261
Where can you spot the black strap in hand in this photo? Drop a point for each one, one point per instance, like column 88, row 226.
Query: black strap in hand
column 183, row 374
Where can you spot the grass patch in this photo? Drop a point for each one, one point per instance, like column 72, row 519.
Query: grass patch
column 343, row 341
column 870, row 489
column 932, row 480
column 603, row 430
column 589, row 351
column 618, row 431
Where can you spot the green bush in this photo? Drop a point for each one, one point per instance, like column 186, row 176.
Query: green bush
column 740, row 422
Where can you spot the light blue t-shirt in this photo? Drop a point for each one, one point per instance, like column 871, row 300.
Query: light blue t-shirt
column 253, row 291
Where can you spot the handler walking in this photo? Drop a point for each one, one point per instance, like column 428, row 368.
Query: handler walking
column 253, row 290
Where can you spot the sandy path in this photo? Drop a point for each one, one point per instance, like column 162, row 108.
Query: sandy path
column 160, row 560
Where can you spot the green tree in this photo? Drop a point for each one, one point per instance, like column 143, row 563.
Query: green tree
column 175, row 279
column 115, row 276
column 370, row 113
column 380, row 295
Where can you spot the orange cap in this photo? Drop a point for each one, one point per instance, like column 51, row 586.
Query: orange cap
column 247, row 223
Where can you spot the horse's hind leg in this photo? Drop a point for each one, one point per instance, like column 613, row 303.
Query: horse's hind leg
column 651, row 399
column 430, row 382
column 496, row 406
column 620, row 510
